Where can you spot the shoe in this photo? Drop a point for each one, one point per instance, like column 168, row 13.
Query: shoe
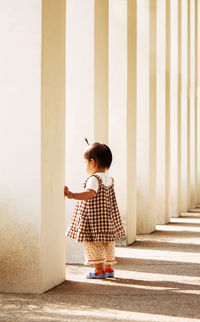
column 95, row 275
column 109, row 273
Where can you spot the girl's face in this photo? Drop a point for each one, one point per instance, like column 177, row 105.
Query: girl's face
column 90, row 166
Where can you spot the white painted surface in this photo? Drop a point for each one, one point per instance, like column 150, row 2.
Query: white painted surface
column 53, row 143
column 25, row 237
column 146, row 214
column 198, row 106
column 20, row 173
column 118, row 100
column 184, row 113
column 174, row 110
column 192, row 106
column 161, row 114
column 79, row 103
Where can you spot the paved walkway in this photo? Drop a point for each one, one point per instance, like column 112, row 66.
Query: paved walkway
column 157, row 279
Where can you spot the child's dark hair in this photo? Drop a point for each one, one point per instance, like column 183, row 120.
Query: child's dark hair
column 100, row 153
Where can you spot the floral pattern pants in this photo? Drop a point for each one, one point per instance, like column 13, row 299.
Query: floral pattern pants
column 99, row 252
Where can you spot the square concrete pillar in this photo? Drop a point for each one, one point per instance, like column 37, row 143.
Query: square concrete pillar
column 191, row 93
column 131, row 119
column 198, row 99
column 161, row 136
column 32, row 143
column 184, row 147
column 174, row 108
column 101, row 20
column 188, row 107
column 188, row 103
column 79, row 104
column 167, row 102
column 179, row 104
column 146, row 116
column 122, row 107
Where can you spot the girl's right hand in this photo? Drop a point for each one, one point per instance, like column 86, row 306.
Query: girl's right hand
column 68, row 193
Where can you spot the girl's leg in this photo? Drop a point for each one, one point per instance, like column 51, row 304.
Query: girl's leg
column 106, row 267
column 109, row 251
column 95, row 255
column 99, row 267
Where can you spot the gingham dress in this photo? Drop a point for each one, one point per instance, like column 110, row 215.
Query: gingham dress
column 97, row 219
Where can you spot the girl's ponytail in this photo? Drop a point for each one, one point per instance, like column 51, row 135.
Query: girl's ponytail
column 86, row 140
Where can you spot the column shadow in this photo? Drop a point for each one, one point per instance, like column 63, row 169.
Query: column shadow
column 170, row 299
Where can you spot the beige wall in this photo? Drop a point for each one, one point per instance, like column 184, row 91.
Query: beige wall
column 31, row 188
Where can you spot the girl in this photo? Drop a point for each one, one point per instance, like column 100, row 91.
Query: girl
column 96, row 220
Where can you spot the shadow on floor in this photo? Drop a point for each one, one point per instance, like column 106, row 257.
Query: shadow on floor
column 157, row 298
column 159, row 281
column 169, row 246
column 159, row 267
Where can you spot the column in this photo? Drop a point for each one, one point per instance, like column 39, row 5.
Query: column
column 146, row 117
column 131, row 119
column 183, row 202
column 161, row 174
column 198, row 99
column 188, row 105
column 191, row 92
column 174, row 108
column 53, row 142
column 122, row 107
column 179, row 106
column 101, row 70
column 167, row 102
column 32, row 145
column 79, row 104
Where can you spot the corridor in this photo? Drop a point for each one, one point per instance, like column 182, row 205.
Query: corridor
column 157, row 279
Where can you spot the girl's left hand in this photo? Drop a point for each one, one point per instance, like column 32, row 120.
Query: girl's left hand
column 68, row 193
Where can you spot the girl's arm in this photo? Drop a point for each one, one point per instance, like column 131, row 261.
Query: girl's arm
column 85, row 195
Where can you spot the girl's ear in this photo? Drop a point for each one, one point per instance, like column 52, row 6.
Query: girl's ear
column 92, row 162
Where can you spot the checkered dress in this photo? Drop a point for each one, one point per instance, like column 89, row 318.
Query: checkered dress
column 97, row 219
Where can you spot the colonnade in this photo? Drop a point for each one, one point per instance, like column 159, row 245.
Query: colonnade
column 146, row 71
column 132, row 81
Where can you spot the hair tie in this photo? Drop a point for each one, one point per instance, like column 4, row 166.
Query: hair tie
column 86, row 140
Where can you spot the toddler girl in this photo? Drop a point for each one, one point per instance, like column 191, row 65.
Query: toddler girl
column 96, row 220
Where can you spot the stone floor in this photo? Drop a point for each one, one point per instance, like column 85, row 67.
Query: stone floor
column 157, row 279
